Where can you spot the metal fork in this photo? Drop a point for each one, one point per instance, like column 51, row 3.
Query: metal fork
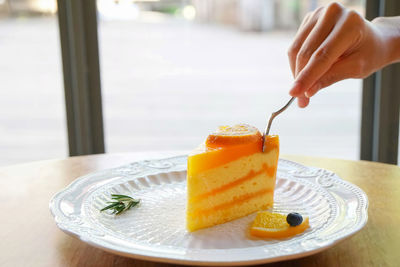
column 273, row 115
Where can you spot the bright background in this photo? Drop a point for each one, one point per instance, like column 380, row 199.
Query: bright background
column 172, row 71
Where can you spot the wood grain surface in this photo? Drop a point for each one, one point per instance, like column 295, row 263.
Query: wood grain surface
column 30, row 237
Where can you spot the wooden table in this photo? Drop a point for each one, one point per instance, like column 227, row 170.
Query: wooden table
column 29, row 236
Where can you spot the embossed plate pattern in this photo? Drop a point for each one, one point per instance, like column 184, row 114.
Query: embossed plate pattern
column 155, row 229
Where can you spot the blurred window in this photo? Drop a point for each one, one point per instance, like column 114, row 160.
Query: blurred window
column 172, row 71
column 32, row 120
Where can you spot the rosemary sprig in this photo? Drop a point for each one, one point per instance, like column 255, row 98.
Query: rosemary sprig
column 120, row 204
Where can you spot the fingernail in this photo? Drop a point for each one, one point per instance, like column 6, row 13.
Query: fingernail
column 303, row 101
column 303, row 104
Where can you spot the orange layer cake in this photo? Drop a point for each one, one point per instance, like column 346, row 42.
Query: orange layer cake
column 229, row 176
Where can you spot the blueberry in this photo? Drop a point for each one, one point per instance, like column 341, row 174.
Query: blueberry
column 294, row 219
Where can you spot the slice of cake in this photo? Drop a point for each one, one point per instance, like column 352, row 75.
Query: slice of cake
column 229, row 176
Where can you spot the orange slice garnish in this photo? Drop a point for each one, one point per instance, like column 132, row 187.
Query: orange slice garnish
column 274, row 225
column 238, row 134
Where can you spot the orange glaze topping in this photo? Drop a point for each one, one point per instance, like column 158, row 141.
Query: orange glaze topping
column 212, row 158
column 228, row 144
column 271, row 142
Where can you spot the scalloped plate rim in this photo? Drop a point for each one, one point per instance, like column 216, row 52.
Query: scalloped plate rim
column 185, row 261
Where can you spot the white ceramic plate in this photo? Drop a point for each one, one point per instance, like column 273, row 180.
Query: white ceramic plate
column 155, row 229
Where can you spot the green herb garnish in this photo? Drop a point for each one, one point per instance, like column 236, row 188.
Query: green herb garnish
column 120, row 204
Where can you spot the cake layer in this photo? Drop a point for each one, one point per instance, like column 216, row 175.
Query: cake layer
column 244, row 205
column 253, row 181
column 233, row 194
column 228, row 182
column 231, row 191
column 218, row 178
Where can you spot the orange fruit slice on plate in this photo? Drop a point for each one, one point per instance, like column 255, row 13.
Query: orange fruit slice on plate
column 274, row 225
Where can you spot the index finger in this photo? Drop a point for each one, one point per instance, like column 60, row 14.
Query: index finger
column 305, row 28
column 323, row 58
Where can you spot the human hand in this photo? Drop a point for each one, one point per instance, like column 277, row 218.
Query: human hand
column 334, row 43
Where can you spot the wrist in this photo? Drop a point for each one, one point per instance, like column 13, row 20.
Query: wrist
column 394, row 44
column 389, row 31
